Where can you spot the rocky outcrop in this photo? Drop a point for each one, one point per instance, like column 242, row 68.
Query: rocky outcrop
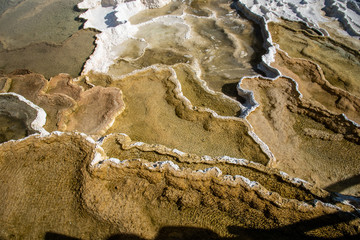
column 304, row 136
column 70, row 187
column 347, row 12
column 339, row 62
column 68, row 106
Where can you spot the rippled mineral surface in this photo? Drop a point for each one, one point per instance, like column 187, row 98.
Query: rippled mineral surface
column 166, row 119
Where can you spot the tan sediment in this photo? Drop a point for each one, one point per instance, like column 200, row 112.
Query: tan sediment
column 50, row 181
column 148, row 58
column 156, row 112
column 96, row 110
column 120, row 146
column 41, row 179
column 308, row 141
column 217, row 43
column 340, row 63
column 314, row 86
column 67, row 105
column 200, row 96
column 51, row 59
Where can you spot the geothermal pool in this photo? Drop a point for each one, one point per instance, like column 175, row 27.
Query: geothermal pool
column 179, row 119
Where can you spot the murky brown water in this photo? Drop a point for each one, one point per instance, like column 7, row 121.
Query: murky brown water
column 45, row 39
column 11, row 128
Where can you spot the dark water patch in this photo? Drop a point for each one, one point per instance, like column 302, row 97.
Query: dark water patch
column 38, row 21
column 11, row 128
column 230, row 89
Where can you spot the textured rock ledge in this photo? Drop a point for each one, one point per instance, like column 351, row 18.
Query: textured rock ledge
column 308, row 140
column 135, row 195
column 308, row 13
column 135, row 188
column 159, row 103
column 68, row 105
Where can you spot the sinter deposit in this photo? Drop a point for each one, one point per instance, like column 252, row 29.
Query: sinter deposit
column 194, row 119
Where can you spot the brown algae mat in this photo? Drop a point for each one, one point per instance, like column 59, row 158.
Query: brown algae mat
column 194, row 89
column 162, row 96
column 308, row 141
column 157, row 112
column 41, row 186
column 60, row 182
column 147, row 105
column 313, row 85
column 340, row 63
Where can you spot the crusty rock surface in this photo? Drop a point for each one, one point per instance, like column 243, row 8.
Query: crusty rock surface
column 62, row 184
column 308, row 140
column 68, row 106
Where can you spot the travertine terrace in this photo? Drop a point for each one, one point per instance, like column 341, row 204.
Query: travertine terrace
column 196, row 119
column 88, row 195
